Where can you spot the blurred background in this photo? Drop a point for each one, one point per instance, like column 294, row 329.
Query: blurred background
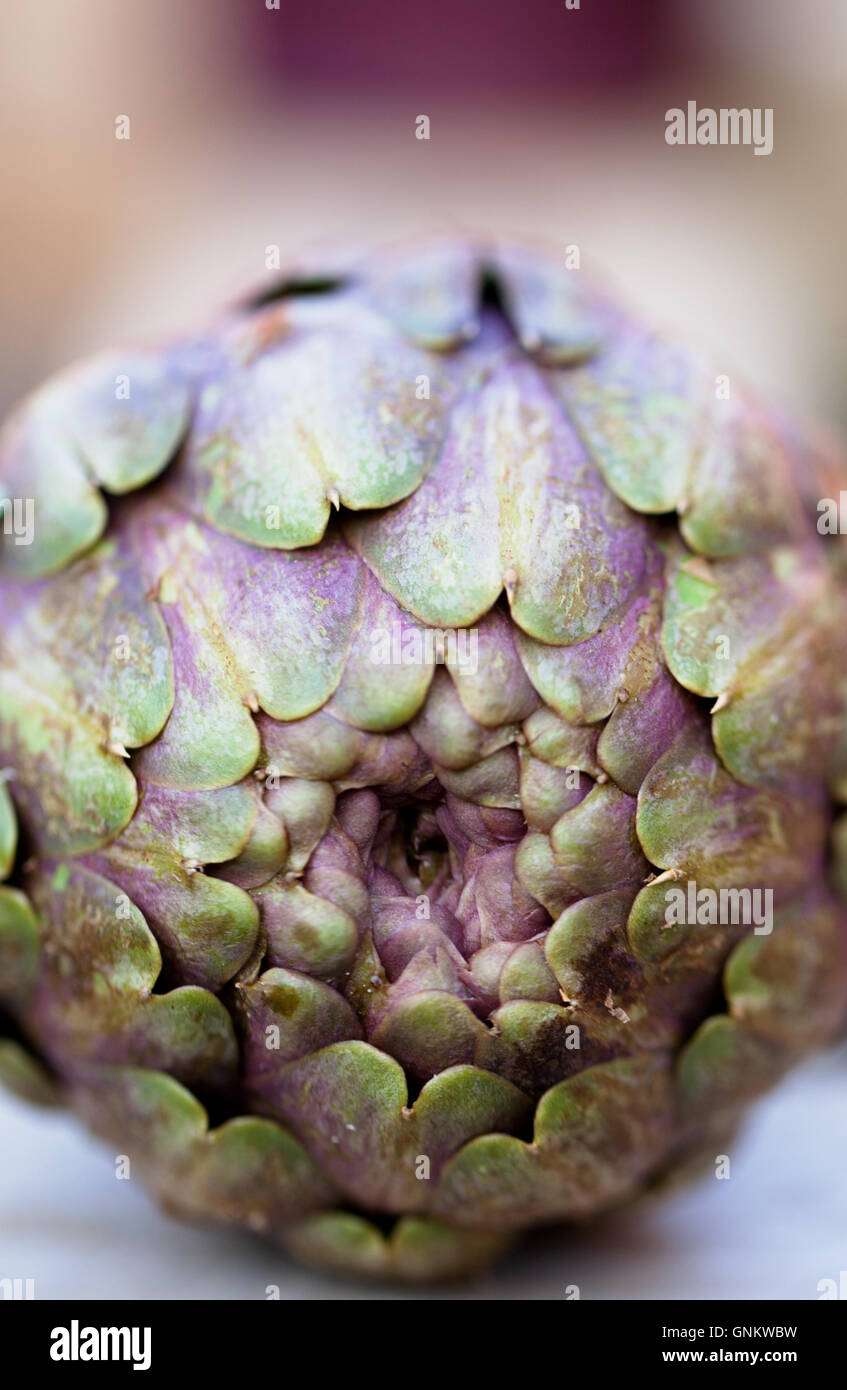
column 253, row 126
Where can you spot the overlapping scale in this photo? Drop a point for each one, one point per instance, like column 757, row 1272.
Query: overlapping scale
column 365, row 829
column 113, row 423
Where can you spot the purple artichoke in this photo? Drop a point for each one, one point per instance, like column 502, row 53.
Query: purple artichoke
column 423, row 698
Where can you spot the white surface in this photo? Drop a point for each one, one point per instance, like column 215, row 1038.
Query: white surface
column 777, row 1227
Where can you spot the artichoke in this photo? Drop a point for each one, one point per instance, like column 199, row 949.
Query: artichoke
column 385, row 661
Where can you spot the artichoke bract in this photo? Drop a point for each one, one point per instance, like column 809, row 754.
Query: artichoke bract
column 422, row 722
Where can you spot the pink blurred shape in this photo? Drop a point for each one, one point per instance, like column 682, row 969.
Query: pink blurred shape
column 464, row 46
